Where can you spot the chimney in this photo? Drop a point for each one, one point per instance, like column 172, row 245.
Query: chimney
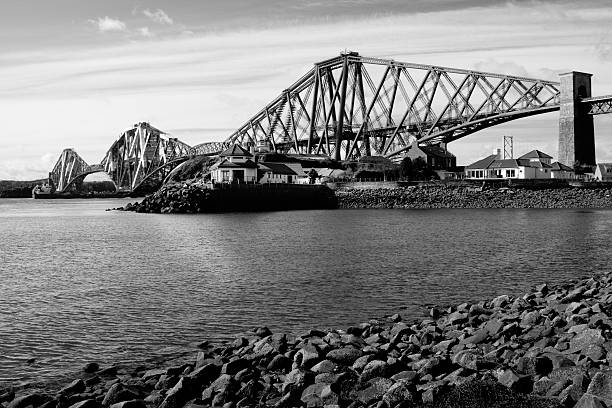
column 497, row 153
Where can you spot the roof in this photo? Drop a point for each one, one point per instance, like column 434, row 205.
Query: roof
column 504, row 163
column 535, row 154
column 437, row 151
column 277, row 168
column 482, row 163
column 556, row 166
column 235, row 150
column 492, row 162
column 226, row 164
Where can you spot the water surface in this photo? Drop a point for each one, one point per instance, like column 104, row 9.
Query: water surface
column 79, row 284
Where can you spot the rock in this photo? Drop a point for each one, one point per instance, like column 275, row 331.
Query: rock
column 118, row 393
column 280, row 362
column 297, row 379
column 601, row 386
column 397, row 393
column 263, row 332
column 307, row 356
column 468, row 359
column 155, row 373
column 373, row 390
column 130, row 404
column 522, row 384
column 26, row 400
column 88, row 403
column 375, row 368
column 586, row 338
column 311, row 396
column 74, row 387
column 91, row 367
column 234, row 366
column 345, row 355
column 204, row 375
column 590, row 401
column 325, row 366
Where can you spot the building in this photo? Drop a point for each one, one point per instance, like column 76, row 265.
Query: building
column 279, row 173
column 530, row 166
column 437, row 157
column 603, row 172
column 561, row 171
column 235, row 165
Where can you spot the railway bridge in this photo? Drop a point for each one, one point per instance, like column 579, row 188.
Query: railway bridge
column 351, row 106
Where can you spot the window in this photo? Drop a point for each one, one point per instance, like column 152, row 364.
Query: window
column 225, row 175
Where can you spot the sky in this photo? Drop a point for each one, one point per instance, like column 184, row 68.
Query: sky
column 77, row 73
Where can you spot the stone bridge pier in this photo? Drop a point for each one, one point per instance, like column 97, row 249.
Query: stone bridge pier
column 576, row 133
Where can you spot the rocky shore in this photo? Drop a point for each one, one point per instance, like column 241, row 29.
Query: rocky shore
column 451, row 196
column 551, row 347
column 198, row 198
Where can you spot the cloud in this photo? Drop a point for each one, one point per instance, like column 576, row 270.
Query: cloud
column 106, row 24
column 145, row 32
column 158, row 16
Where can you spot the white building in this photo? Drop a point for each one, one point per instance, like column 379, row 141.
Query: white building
column 279, row 173
column 532, row 165
column 235, row 166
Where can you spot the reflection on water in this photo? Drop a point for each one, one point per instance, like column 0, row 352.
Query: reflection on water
column 79, row 284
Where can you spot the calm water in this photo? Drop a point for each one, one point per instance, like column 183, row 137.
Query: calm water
column 79, row 284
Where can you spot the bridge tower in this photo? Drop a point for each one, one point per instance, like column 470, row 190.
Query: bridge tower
column 576, row 133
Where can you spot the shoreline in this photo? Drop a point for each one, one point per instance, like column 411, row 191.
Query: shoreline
column 194, row 198
column 550, row 347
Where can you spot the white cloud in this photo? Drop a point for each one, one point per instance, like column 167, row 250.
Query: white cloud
column 106, row 23
column 145, row 32
column 159, row 16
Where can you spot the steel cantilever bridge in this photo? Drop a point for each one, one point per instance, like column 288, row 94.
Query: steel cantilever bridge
column 347, row 107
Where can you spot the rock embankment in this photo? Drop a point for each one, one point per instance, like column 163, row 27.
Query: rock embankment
column 551, row 347
column 197, row 198
column 468, row 197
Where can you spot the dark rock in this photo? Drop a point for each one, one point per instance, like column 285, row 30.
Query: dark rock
column 88, row 403
column 74, row 387
column 279, row 363
column 375, row 368
column 234, row 366
column 345, row 356
column 26, row 400
column 91, row 367
column 601, row 387
column 130, row 404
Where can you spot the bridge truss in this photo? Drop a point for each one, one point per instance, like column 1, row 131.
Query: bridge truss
column 137, row 155
column 140, row 153
column 352, row 106
column 598, row 105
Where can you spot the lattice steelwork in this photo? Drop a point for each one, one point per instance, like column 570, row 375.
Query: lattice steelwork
column 598, row 105
column 140, row 153
column 351, row 106
column 69, row 168
column 210, row 148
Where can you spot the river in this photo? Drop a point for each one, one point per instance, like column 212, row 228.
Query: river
column 81, row 284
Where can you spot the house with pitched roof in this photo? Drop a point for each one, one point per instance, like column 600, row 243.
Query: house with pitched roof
column 235, row 165
column 278, row 173
column 532, row 165
column 437, row 158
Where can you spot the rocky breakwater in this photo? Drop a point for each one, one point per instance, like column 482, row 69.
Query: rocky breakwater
column 197, row 198
column 444, row 196
column 551, row 347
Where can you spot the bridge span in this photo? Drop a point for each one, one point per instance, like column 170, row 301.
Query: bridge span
column 351, row 106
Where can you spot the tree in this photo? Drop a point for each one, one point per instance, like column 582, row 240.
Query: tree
column 313, row 175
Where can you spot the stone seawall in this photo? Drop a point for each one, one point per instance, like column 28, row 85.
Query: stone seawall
column 448, row 196
column 551, row 347
column 194, row 198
